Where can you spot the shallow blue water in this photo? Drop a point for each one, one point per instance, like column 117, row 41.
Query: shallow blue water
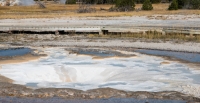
column 191, row 57
column 15, row 52
column 109, row 100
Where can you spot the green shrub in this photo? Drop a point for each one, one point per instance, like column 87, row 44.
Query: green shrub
column 125, row 5
column 147, row 5
column 173, row 5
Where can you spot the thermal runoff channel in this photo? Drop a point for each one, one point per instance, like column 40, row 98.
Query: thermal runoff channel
column 62, row 69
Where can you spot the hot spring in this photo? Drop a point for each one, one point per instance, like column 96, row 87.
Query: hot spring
column 62, row 69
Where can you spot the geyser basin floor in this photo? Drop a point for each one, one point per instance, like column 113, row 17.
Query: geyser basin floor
column 142, row 73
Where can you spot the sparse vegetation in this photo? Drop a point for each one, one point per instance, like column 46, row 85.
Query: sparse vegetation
column 86, row 9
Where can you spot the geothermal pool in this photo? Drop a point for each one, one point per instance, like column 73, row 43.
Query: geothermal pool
column 61, row 69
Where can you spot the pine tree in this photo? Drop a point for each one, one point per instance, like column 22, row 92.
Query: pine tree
column 173, row 5
column 195, row 4
column 70, row 2
column 182, row 3
column 147, row 5
column 155, row 1
column 152, row 1
column 125, row 5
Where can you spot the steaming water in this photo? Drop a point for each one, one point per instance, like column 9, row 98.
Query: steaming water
column 141, row 73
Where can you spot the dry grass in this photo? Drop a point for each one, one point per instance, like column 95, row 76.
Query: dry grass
column 58, row 10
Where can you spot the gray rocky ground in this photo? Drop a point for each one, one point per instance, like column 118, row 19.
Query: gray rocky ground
column 13, row 90
column 65, row 40
column 131, row 21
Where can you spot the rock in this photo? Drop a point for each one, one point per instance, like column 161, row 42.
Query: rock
column 164, row 63
column 92, row 97
column 141, row 96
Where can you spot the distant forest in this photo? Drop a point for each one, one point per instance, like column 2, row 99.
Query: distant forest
column 177, row 4
column 112, row 1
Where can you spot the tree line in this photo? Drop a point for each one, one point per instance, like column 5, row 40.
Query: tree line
column 129, row 5
column 109, row 1
column 184, row 4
